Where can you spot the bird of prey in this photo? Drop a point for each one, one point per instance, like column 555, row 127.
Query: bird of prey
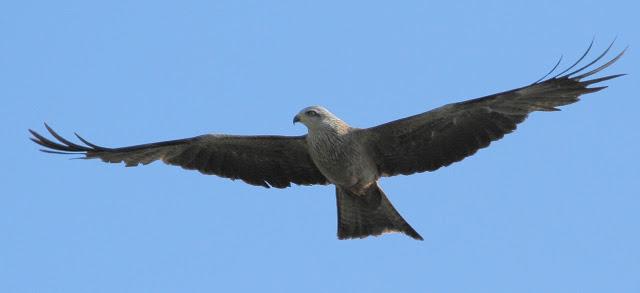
column 353, row 159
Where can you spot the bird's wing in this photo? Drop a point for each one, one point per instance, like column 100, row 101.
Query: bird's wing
column 266, row 161
column 440, row 137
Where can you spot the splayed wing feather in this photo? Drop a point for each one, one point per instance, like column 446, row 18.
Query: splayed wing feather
column 586, row 52
column 594, row 60
column 602, row 67
column 550, row 71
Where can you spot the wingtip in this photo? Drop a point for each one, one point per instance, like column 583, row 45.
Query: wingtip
column 568, row 75
column 48, row 127
column 623, row 51
column 599, row 68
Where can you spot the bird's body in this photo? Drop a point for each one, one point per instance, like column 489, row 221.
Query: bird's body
column 353, row 159
column 342, row 155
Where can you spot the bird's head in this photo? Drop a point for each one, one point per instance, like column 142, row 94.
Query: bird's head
column 315, row 116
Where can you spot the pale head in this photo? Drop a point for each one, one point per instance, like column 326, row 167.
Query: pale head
column 316, row 116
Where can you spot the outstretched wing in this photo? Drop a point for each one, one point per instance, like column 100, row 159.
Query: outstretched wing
column 267, row 161
column 440, row 137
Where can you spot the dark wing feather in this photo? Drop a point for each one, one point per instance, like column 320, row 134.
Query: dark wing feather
column 267, row 161
column 440, row 137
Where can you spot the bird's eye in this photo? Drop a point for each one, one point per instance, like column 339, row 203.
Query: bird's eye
column 311, row 113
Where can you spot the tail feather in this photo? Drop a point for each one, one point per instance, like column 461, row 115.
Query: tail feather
column 370, row 214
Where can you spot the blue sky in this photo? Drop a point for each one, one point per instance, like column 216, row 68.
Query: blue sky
column 550, row 208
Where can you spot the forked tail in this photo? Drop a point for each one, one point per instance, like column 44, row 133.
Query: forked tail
column 370, row 214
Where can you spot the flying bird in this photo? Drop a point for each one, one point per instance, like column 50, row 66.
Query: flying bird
column 354, row 159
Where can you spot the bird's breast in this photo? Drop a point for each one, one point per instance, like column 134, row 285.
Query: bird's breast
column 341, row 160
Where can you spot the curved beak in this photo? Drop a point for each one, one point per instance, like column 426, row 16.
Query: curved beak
column 296, row 119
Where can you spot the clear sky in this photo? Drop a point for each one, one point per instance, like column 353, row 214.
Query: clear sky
column 554, row 207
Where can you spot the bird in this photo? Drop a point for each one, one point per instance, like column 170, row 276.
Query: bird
column 354, row 159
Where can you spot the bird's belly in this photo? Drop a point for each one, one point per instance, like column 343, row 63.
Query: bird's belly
column 347, row 171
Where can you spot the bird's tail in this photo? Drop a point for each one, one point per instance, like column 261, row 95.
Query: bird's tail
column 360, row 216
